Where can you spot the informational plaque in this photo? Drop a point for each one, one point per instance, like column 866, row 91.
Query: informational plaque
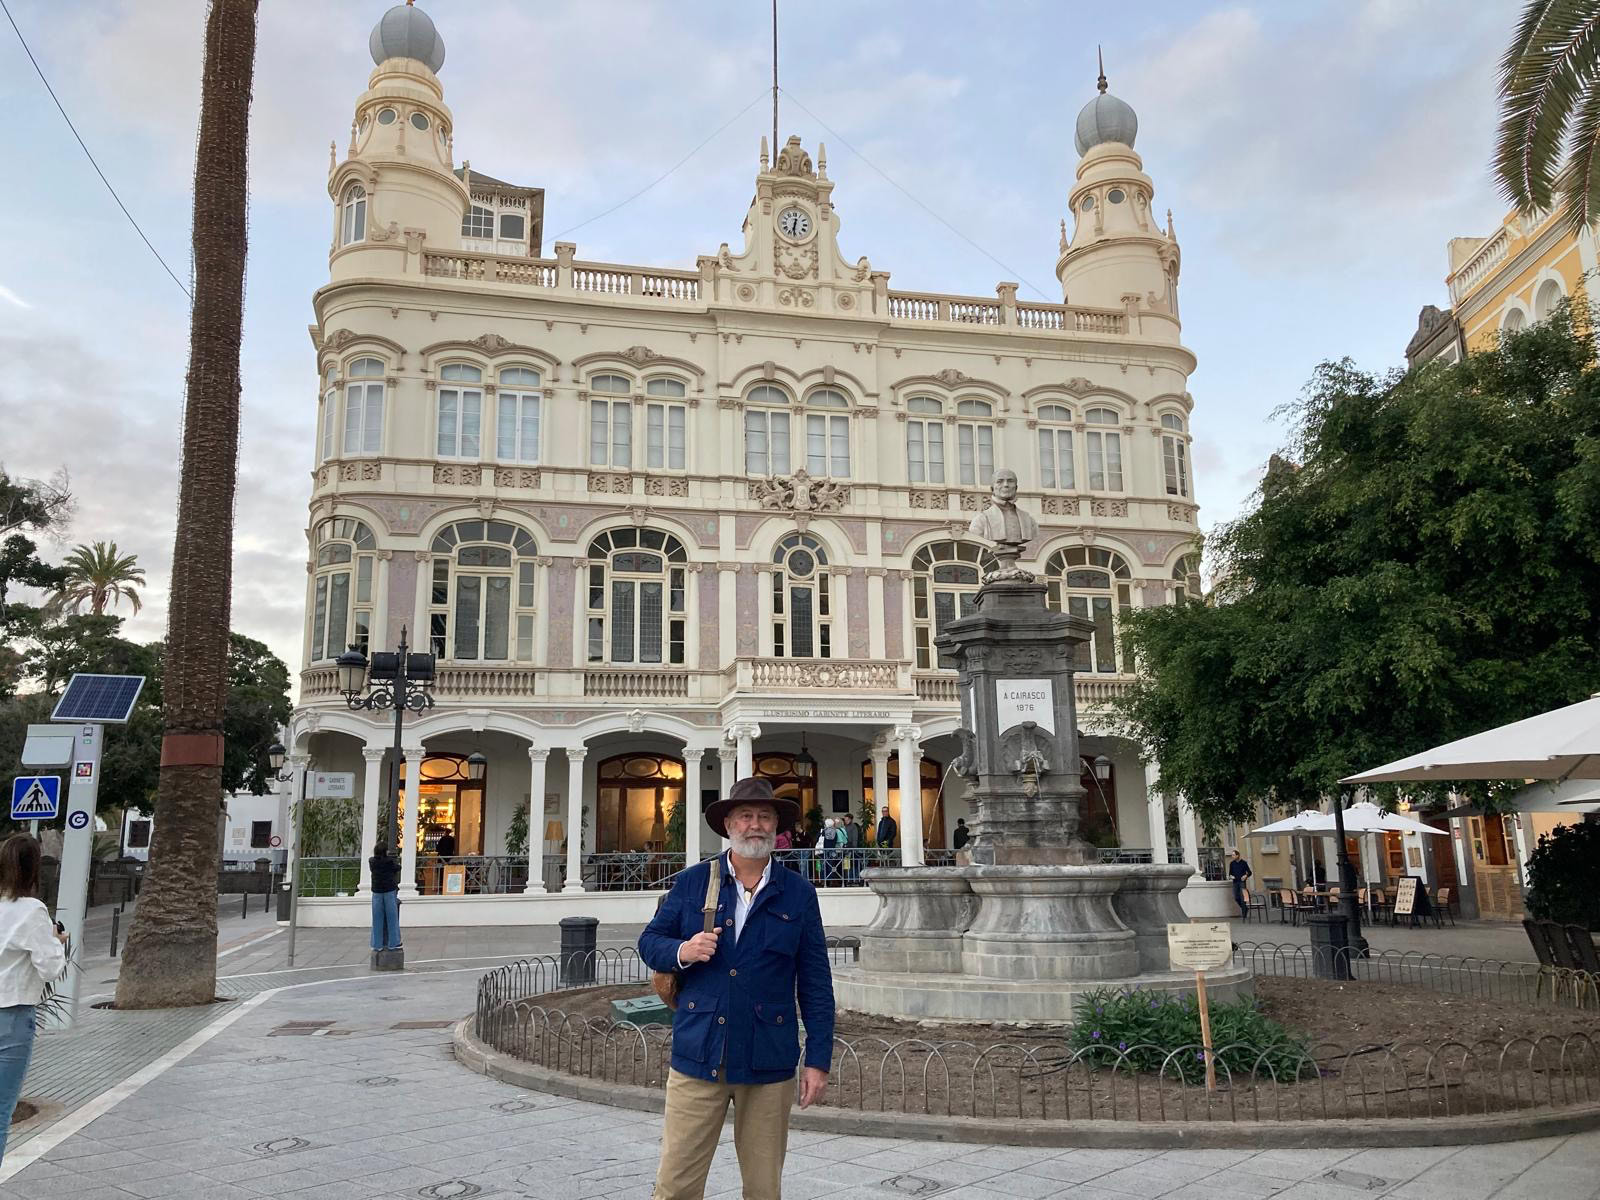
column 1199, row 947
column 455, row 879
column 1405, row 896
column 1019, row 700
column 333, row 785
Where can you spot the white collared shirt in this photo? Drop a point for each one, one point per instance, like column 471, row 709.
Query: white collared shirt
column 742, row 900
column 30, row 955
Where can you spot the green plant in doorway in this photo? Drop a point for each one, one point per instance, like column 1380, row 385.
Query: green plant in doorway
column 517, row 833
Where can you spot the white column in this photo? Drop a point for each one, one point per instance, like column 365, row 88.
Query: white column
column 371, row 791
column 730, row 765
column 536, row 761
column 910, row 795
column 1156, row 814
column 745, row 736
column 575, row 818
column 1189, row 833
column 880, row 780
column 408, row 839
column 298, row 765
column 692, row 817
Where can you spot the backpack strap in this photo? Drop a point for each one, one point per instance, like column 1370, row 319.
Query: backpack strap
column 713, row 890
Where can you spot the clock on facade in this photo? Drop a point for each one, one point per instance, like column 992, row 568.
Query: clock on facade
column 794, row 223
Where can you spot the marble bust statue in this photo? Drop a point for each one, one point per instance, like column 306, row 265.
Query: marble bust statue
column 1006, row 526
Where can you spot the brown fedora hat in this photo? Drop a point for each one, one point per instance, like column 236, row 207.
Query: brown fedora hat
column 751, row 790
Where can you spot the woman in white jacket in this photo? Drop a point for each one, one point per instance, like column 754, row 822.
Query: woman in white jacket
column 32, row 955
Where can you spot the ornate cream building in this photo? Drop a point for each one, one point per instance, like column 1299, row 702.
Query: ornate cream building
column 665, row 526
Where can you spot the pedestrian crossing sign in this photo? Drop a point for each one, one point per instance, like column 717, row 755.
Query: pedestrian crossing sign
column 35, row 797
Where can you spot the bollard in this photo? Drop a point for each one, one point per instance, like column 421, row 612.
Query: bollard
column 116, row 921
column 244, row 905
column 578, row 950
column 1330, row 946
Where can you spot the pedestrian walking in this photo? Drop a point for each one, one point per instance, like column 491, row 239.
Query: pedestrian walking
column 33, row 955
column 1239, row 870
column 735, row 1035
column 385, row 899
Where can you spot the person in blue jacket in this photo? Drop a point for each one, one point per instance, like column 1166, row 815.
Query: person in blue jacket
column 735, row 1036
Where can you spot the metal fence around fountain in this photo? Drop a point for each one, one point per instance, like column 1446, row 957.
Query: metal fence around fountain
column 518, row 1013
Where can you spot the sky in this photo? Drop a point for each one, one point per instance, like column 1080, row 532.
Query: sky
column 1317, row 157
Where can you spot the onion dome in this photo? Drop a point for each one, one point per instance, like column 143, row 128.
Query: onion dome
column 405, row 31
column 1105, row 119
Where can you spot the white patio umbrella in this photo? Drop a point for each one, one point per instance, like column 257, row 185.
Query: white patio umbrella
column 1561, row 744
column 1302, row 822
column 1366, row 817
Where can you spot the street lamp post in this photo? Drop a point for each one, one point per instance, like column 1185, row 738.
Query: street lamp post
column 399, row 680
column 1348, row 901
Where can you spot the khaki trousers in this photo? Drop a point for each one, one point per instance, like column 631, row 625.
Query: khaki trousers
column 696, row 1109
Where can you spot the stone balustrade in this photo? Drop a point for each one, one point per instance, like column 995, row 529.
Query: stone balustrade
column 826, row 674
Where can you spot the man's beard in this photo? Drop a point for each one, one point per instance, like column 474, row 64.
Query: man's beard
column 754, row 845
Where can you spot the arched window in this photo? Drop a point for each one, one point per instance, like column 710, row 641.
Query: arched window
column 1186, row 579
column 480, row 602
column 779, row 769
column 353, row 221
column 802, row 608
column 931, row 771
column 363, row 407
column 643, row 601
column 478, row 223
column 330, row 414
column 1055, row 447
column 1174, row 455
column 610, row 421
column 924, row 440
column 766, row 431
column 344, row 553
column 636, row 796
column 460, row 428
column 1546, row 299
column 1094, row 584
column 1104, row 451
column 975, row 441
column 828, row 434
column 944, row 585
column 666, row 420
column 517, row 412
column 1514, row 320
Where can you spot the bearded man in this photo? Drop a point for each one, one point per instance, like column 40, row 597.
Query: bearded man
column 735, row 1036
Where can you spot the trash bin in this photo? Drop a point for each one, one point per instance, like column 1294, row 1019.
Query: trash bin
column 577, row 950
column 1330, row 945
column 284, row 888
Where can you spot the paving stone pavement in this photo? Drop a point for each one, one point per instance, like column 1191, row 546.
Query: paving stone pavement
column 321, row 1090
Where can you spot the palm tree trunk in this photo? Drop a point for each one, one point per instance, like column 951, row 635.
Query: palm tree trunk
column 171, row 954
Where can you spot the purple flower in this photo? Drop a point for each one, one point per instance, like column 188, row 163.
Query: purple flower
column 1155, row 1004
column 1122, row 1045
column 1095, row 1035
column 1200, row 1056
column 1099, row 1009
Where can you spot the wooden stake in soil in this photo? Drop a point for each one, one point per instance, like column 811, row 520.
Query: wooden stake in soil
column 1205, row 1029
column 1201, row 947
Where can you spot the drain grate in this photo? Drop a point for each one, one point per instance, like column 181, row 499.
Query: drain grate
column 445, row 1024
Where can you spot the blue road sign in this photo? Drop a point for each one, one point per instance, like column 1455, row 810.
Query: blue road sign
column 35, row 797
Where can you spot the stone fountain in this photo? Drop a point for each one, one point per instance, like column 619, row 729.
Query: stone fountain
column 1035, row 920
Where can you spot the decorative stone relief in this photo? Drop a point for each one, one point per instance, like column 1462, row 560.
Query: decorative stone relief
column 604, row 481
column 746, row 292
column 924, row 498
column 974, row 501
column 795, row 297
column 799, row 493
column 458, row 473
column 846, row 301
column 1180, row 512
column 360, row 472
column 1110, row 508
column 1060, row 506
column 950, row 377
column 796, row 262
column 1079, row 386
column 659, row 486
column 517, row 477
column 322, row 476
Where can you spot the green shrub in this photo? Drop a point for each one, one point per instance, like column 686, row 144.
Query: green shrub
column 1561, row 876
column 517, row 832
column 1138, row 1031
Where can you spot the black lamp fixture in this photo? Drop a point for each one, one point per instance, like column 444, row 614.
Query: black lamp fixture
column 275, row 756
column 1102, row 767
column 805, row 767
column 477, row 764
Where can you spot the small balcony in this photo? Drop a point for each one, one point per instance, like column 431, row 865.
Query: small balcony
column 751, row 675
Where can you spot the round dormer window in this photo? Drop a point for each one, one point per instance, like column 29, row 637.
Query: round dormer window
column 386, row 116
column 419, row 121
column 1088, row 204
column 1116, row 196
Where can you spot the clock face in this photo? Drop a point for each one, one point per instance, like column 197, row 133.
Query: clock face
column 794, row 223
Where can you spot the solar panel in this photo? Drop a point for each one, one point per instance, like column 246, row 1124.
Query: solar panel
column 108, row 699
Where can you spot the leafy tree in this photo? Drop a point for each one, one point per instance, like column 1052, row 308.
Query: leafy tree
column 1421, row 564
column 1550, row 110
column 171, row 954
column 1561, row 876
column 98, row 576
column 44, row 506
column 257, row 704
column 37, row 507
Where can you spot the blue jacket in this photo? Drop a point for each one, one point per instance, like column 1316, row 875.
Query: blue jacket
column 736, row 1013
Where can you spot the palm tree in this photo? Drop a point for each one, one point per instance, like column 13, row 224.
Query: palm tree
column 1549, row 141
column 97, row 576
column 171, row 955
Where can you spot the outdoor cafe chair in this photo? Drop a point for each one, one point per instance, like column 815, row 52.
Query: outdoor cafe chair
column 1580, row 944
column 1549, row 967
column 1441, row 907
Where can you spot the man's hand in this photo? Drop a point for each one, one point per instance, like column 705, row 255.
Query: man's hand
column 699, row 948
column 813, row 1083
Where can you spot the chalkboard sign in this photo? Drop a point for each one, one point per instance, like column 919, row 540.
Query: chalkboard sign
column 1405, row 899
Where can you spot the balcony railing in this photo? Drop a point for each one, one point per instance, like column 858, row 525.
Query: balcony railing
column 509, row 683
column 650, row 685
column 1484, row 260
column 823, row 674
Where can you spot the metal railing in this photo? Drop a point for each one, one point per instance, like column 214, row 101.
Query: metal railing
column 1052, row 1080
column 327, row 876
